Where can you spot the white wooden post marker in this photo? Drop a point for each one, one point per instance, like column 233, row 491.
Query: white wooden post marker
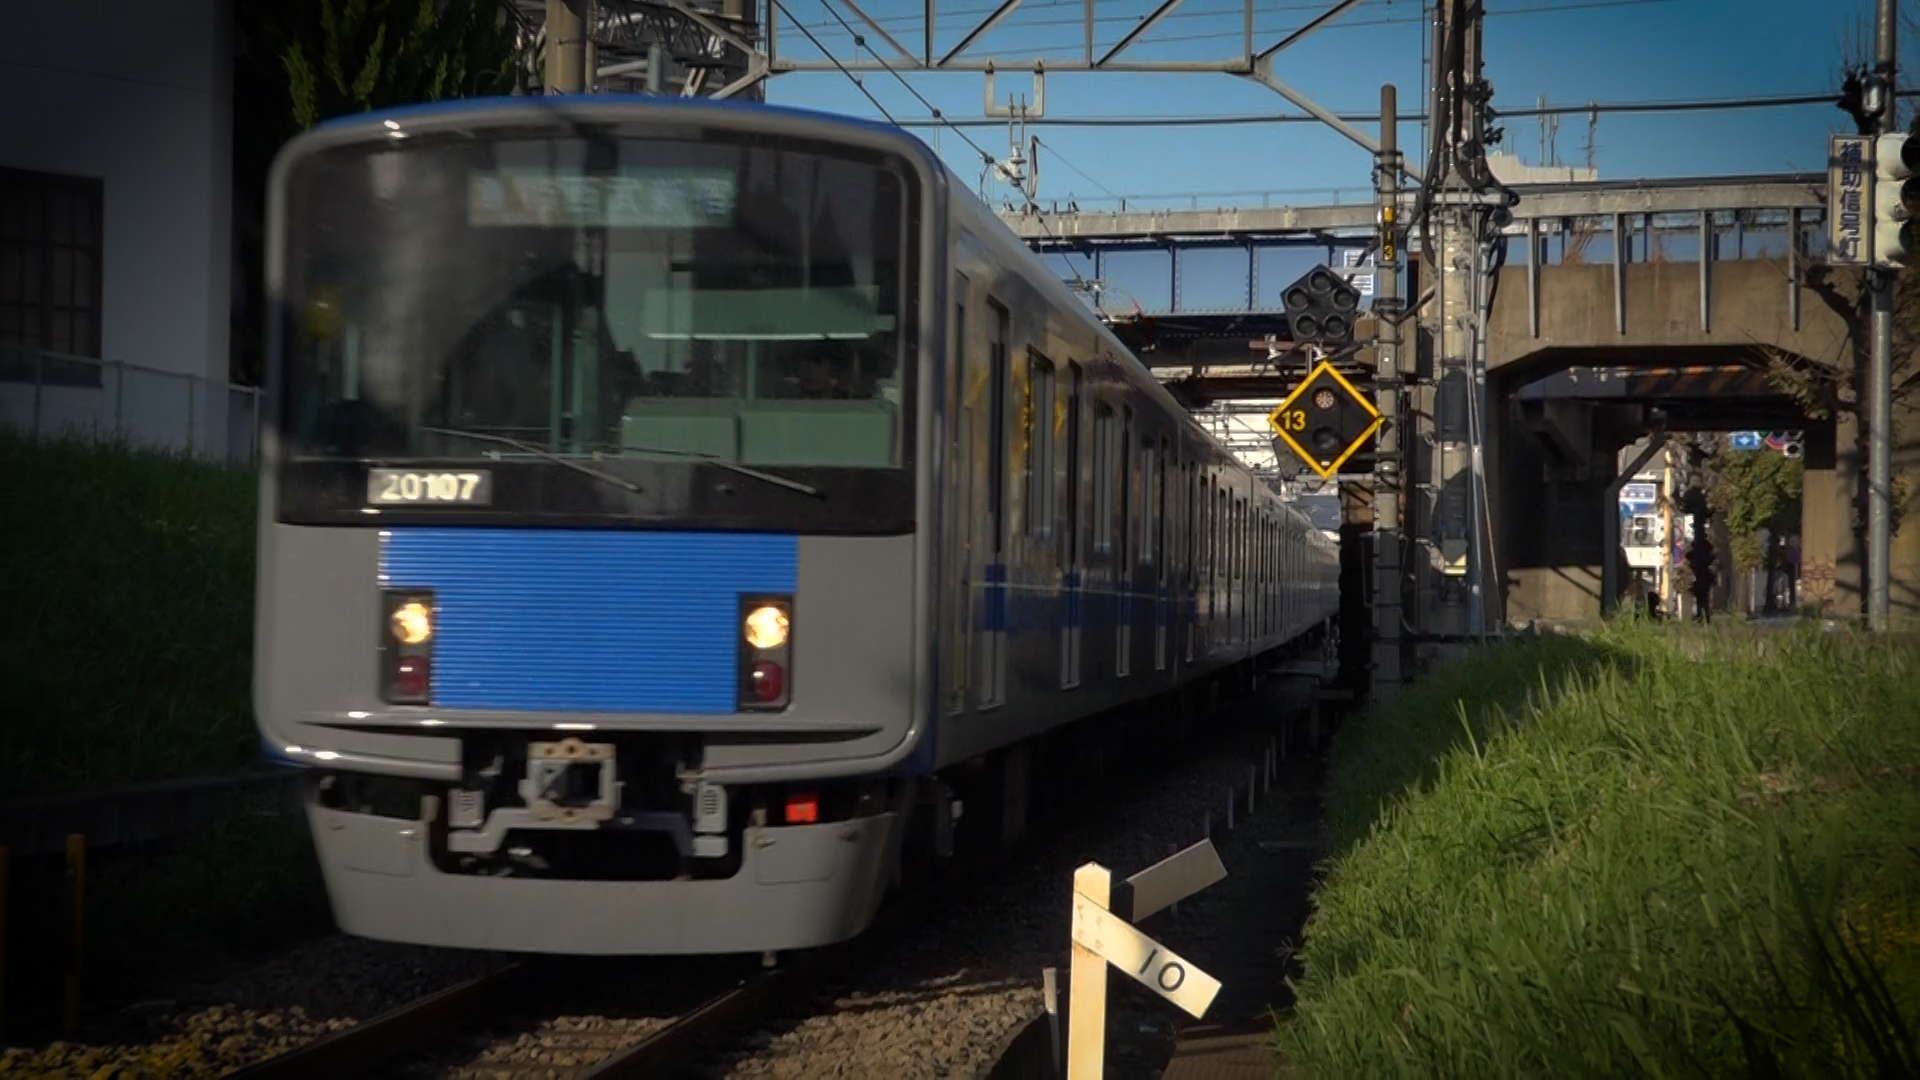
column 1102, row 935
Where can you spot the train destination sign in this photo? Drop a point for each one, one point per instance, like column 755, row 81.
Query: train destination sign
column 634, row 198
column 1325, row 420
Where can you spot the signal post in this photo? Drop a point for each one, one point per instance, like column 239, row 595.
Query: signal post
column 1894, row 165
column 1327, row 419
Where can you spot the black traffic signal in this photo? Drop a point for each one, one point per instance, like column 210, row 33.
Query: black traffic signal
column 1321, row 308
column 1325, row 420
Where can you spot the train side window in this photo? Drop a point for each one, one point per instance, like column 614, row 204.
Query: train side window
column 1266, row 569
column 1222, row 528
column 1129, row 480
column 997, row 440
column 1102, row 480
column 1195, row 495
column 1242, row 541
column 1074, row 486
column 1205, row 547
column 1237, row 557
column 1040, row 440
column 1149, row 499
column 1162, row 504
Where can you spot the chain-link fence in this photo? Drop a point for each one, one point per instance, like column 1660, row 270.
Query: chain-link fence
column 51, row 395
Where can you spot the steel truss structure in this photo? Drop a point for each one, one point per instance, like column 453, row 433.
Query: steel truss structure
column 740, row 39
column 687, row 48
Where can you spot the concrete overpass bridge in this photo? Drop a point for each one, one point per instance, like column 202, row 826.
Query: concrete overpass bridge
column 1714, row 278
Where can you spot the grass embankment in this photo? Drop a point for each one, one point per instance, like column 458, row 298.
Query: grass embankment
column 127, row 643
column 1643, row 852
column 126, row 656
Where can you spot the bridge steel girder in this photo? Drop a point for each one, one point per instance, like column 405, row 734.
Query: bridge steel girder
column 1235, row 225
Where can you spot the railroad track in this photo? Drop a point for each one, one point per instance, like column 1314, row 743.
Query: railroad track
column 603, row 1019
column 541, row 1019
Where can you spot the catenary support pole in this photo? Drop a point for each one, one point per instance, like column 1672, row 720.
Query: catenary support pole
column 1388, row 309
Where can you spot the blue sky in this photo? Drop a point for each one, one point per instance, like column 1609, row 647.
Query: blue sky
column 1568, row 51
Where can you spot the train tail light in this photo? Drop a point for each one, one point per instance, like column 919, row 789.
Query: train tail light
column 766, row 653
column 769, row 681
column 406, row 648
column 803, row 808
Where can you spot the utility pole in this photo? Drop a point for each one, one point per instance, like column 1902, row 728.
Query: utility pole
column 1880, row 373
column 1388, row 307
column 566, row 47
column 1452, row 578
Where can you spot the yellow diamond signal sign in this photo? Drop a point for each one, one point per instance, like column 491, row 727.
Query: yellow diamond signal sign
column 1325, row 420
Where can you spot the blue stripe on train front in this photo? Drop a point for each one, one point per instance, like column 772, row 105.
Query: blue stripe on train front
column 576, row 621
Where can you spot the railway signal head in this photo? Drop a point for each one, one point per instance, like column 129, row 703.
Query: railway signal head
column 1322, row 308
column 1325, row 421
column 1896, row 200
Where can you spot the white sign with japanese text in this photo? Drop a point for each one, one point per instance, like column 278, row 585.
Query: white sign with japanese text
column 1850, row 200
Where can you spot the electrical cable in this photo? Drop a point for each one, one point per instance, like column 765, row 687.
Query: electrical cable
column 855, row 79
column 1776, row 101
column 1075, row 168
column 860, row 41
column 1076, row 49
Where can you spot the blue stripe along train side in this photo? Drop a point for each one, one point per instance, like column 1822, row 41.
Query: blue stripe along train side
column 582, row 717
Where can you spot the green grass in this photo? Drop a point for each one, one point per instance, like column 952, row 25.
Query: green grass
column 126, row 656
column 127, row 645
column 1639, row 852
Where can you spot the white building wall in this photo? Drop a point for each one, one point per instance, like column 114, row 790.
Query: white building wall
column 138, row 95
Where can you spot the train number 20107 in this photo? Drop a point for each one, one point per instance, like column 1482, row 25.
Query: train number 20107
column 402, row 487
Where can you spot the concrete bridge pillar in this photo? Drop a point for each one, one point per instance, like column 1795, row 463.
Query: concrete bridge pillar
column 1833, row 545
column 1548, row 508
column 1830, row 556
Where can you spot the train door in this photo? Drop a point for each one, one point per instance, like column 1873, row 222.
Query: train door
column 959, row 540
column 1191, row 603
column 1221, row 617
column 1124, row 556
column 1163, row 556
column 1287, row 577
column 1236, row 601
column 1071, row 619
column 993, row 635
column 1209, row 548
column 1245, row 542
column 1259, row 572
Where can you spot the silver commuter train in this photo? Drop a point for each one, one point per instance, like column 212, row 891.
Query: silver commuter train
column 671, row 508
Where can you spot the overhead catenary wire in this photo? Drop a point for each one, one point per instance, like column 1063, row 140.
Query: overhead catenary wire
column 901, row 22
column 1776, row 101
column 860, row 41
column 938, row 116
column 855, row 79
column 1075, row 169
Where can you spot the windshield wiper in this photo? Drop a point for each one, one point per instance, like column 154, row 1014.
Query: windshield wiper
column 505, row 440
column 731, row 466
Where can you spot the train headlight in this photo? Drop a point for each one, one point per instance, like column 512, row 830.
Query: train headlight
column 406, row 649
column 766, row 653
column 766, row 628
column 412, row 623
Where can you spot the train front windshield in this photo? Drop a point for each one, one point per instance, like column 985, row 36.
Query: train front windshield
column 697, row 330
